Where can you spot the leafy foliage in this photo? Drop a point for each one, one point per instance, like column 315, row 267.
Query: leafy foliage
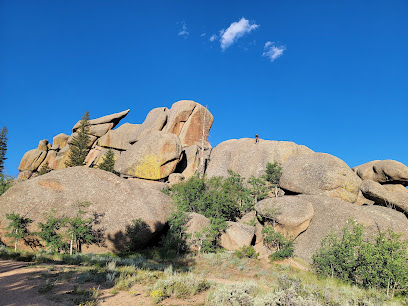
column 3, row 148
column 80, row 229
column 79, row 147
column 274, row 240
column 50, row 233
column 18, row 227
column 246, row 252
column 380, row 262
column 108, row 163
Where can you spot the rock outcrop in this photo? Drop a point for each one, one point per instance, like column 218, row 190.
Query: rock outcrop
column 332, row 214
column 187, row 121
column 247, row 158
column 383, row 171
column 119, row 200
column 390, row 195
column 320, row 173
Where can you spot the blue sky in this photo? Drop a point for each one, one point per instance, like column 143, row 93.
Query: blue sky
column 333, row 75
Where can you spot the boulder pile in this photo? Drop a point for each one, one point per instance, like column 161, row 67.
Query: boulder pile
column 319, row 192
column 166, row 140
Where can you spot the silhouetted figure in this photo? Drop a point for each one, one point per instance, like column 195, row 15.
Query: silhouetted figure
column 256, row 138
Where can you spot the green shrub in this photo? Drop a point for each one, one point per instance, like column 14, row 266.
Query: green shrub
column 274, row 240
column 236, row 294
column 246, row 252
column 180, row 285
column 50, row 233
column 273, row 173
column 18, row 227
column 378, row 262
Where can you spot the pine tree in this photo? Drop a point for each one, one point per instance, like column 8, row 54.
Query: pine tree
column 108, row 161
column 3, row 148
column 79, row 147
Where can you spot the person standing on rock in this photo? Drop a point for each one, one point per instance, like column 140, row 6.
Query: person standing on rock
column 256, row 138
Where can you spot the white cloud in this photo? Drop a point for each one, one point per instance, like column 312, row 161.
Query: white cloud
column 272, row 51
column 203, row 34
column 235, row 31
column 183, row 32
column 213, row 37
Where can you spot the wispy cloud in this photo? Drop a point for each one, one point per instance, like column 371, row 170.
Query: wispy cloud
column 235, row 31
column 213, row 37
column 272, row 51
column 203, row 34
column 183, row 32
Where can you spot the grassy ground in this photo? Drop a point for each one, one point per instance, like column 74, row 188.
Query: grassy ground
column 209, row 279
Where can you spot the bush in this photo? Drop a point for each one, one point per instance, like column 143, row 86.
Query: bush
column 379, row 262
column 179, row 286
column 273, row 173
column 246, row 252
column 282, row 245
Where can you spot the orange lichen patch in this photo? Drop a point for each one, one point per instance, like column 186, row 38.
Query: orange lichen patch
column 51, row 184
column 168, row 148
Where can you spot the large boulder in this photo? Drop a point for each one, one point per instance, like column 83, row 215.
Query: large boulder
column 178, row 115
column 390, row 195
column 155, row 121
column 292, row 214
column 153, row 157
column 118, row 138
column 383, row 171
column 248, row 158
column 197, row 127
column 59, row 141
column 237, row 235
column 331, row 215
column 320, row 173
column 100, row 129
column 196, row 223
column 32, row 160
column 119, row 201
column 113, row 118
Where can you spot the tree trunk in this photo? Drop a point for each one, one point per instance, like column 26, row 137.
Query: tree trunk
column 70, row 245
column 15, row 245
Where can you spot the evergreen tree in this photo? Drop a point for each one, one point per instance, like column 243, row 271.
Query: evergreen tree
column 108, row 161
column 79, row 147
column 3, row 148
column 17, row 227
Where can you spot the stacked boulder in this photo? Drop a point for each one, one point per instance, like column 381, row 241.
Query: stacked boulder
column 54, row 156
column 384, row 182
column 168, row 141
